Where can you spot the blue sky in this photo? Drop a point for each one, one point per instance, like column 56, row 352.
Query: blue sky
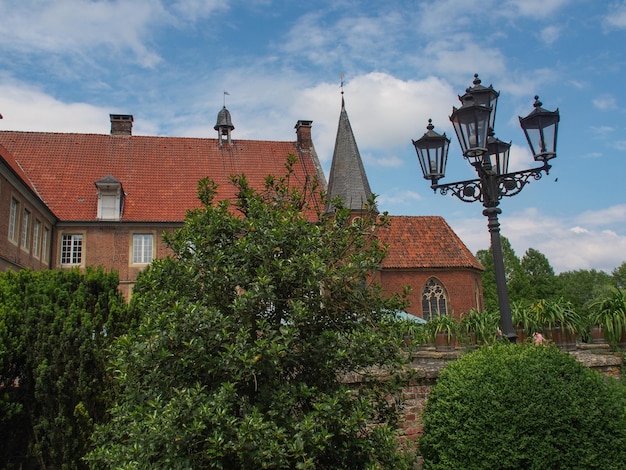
column 65, row 65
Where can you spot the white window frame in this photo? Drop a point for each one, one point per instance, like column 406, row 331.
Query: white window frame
column 72, row 253
column 25, row 238
column 13, row 219
column 142, row 248
column 45, row 243
column 36, row 238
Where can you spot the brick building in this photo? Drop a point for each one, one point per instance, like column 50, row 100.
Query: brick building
column 72, row 200
column 424, row 252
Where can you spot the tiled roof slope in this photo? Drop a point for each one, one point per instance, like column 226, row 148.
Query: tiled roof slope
column 159, row 175
column 424, row 242
column 9, row 159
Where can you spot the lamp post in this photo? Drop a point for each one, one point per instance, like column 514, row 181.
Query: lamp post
column 474, row 123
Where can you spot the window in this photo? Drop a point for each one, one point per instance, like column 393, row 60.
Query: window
column 25, row 229
column 110, row 196
column 36, row 236
column 434, row 300
column 142, row 248
column 13, row 220
column 45, row 240
column 72, row 249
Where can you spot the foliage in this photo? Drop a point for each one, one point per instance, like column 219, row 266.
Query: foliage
column 484, row 324
column 542, row 282
column 249, row 335
column 444, row 324
column 610, row 314
column 557, row 314
column 583, row 287
column 516, row 279
column 54, row 328
column 619, row 276
column 522, row 406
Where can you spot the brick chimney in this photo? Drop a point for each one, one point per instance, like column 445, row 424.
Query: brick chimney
column 121, row 124
column 303, row 132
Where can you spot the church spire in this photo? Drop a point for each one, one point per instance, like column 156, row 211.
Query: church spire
column 347, row 178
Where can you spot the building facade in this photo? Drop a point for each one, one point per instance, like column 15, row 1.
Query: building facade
column 74, row 200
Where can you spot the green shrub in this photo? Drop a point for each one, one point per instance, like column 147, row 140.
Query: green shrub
column 524, row 407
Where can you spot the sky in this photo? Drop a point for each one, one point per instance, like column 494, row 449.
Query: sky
column 67, row 64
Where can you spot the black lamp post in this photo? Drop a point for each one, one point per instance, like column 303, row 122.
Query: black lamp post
column 474, row 123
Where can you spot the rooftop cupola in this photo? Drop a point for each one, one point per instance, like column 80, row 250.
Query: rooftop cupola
column 224, row 125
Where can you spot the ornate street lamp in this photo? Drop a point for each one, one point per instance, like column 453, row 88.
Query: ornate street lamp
column 474, row 123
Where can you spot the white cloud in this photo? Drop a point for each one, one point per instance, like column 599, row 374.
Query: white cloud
column 581, row 242
column 81, row 26
column 27, row 108
column 550, row 34
column 616, row 17
column 605, row 102
column 396, row 198
column 537, row 8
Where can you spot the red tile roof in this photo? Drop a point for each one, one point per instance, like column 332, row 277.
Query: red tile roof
column 159, row 175
column 424, row 242
column 16, row 168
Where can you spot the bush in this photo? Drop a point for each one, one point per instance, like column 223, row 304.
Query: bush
column 523, row 406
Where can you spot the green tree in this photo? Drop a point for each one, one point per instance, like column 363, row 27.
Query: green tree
column 524, row 407
column 249, row 334
column 542, row 282
column 516, row 280
column 583, row 287
column 619, row 276
column 54, row 329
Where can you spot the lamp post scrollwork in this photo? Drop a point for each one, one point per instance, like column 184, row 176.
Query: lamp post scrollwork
column 474, row 125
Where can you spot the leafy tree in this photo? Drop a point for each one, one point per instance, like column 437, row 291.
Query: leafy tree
column 516, row 279
column 583, row 287
column 542, row 282
column 249, row 334
column 54, row 329
column 523, row 406
column 619, row 276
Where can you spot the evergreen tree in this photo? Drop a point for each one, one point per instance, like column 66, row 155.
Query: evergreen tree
column 516, row 279
column 54, row 329
column 542, row 282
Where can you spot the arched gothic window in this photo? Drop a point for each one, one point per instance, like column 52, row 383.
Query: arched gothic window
column 434, row 299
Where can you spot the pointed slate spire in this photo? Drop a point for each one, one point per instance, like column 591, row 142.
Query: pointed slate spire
column 347, row 175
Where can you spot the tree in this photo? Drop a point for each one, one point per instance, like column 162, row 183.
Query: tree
column 516, row 279
column 583, row 287
column 249, row 333
column 619, row 276
column 542, row 282
column 523, row 406
column 54, row 329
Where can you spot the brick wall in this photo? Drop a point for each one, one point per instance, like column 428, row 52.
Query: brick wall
column 463, row 286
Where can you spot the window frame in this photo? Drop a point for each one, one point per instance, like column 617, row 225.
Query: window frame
column 139, row 251
column 25, row 230
column 36, row 243
column 73, row 246
column 14, row 220
column 434, row 289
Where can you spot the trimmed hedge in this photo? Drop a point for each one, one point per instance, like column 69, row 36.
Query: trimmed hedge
column 524, row 407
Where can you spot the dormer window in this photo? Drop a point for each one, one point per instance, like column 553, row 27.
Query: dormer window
column 110, row 198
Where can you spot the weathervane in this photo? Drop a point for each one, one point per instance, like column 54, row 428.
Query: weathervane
column 225, row 93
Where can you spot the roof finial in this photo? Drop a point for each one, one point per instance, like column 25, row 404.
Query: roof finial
column 225, row 93
column 342, row 102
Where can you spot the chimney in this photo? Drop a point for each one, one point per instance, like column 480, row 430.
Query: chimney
column 121, row 124
column 303, row 131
